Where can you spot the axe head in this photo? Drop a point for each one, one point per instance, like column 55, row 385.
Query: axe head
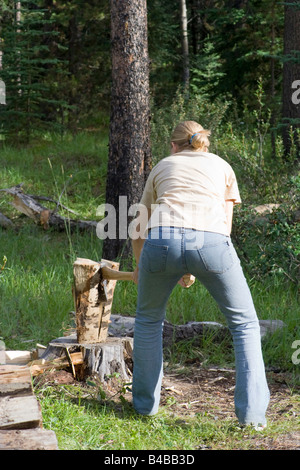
column 102, row 289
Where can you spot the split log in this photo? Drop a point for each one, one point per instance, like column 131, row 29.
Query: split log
column 20, row 413
column 41, row 365
column 17, row 357
column 28, row 439
column 92, row 304
column 41, row 215
column 15, row 380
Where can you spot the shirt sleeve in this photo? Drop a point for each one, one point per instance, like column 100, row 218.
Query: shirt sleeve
column 232, row 190
column 149, row 194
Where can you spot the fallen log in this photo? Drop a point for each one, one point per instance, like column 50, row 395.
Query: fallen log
column 5, row 222
column 124, row 326
column 43, row 216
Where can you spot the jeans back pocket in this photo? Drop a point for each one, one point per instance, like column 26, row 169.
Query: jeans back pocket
column 217, row 258
column 154, row 257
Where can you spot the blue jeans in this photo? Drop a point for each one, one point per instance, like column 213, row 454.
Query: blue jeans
column 167, row 255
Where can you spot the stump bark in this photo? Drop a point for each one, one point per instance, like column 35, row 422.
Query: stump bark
column 107, row 359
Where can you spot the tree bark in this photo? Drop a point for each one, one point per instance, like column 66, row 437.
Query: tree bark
column 129, row 147
column 185, row 45
column 291, row 74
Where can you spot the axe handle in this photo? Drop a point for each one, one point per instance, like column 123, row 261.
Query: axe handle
column 112, row 274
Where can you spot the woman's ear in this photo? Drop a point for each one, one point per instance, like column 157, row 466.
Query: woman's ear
column 174, row 147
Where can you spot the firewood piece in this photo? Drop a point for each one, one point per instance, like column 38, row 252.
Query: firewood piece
column 15, row 380
column 17, row 357
column 92, row 313
column 28, row 439
column 57, row 346
column 20, row 412
column 40, row 366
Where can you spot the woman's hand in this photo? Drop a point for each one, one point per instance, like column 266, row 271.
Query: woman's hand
column 187, row 280
column 135, row 275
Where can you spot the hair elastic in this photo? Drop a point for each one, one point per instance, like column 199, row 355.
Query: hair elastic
column 193, row 136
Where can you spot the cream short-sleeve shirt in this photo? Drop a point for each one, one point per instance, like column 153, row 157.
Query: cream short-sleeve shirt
column 189, row 189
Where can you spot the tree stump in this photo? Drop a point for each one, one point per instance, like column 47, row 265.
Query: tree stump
column 93, row 298
column 114, row 357
column 106, row 359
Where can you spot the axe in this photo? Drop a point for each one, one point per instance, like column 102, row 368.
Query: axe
column 109, row 274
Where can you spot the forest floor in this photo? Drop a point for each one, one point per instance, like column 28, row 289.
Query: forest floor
column 210, row 393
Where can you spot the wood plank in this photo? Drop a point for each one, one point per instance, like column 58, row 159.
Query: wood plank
column 28, row 439
column 15, row 380
column 2, row 356
column 18, row 357
column 19, row 413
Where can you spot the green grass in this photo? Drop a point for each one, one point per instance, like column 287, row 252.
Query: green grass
column 104, row 426
column 82, row 420
column 36, row 300
column 73, row 168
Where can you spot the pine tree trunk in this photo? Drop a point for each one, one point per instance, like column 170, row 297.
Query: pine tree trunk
column 291, row 74
column 129, row 147
column 185, row 45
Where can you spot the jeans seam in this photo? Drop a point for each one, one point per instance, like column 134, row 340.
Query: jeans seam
column 183, row 256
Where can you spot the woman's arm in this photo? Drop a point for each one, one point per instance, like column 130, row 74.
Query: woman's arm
column 229, row 214
column 137, row 246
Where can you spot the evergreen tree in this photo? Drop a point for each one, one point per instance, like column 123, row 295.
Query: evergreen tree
column 291, row 75
column 129, row 145
column 25, row 60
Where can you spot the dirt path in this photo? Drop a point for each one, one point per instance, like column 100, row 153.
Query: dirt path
column 210, row 392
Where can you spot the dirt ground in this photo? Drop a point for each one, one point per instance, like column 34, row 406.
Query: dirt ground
column 211, row 391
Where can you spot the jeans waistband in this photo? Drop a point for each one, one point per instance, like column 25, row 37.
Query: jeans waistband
column 172, row 228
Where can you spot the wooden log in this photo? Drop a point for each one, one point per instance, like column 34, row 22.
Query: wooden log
column 5, row 222
column 15, row 380
column 41, row 215
column 92, row 310
column 28, row 439
column 20, row 412
column 71, row 360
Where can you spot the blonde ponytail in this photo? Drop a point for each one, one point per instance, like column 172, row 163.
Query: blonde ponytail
column 190, row 135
